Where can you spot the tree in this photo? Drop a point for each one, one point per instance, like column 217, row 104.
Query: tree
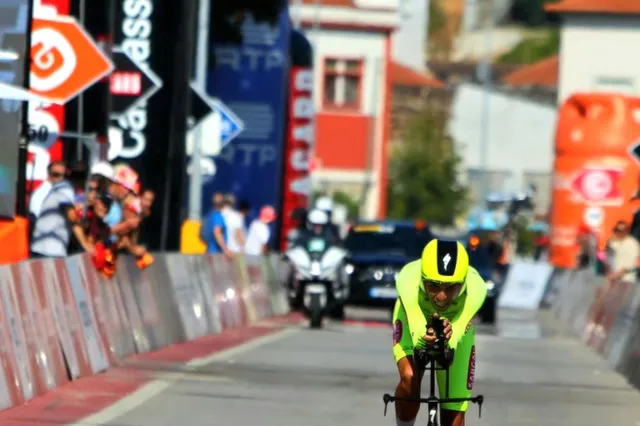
column 532, row 50
column 423, row 173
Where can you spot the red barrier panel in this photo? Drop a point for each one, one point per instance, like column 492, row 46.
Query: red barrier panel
column 229, row 299
column 34, row 331
column 36, row 285
column 63, row 307
column 91, row 283
column 259, row 288
column 21, row 344
column 10, row 384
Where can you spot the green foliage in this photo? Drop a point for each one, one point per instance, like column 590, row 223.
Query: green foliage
column 423, row 174
column 345, row 199
column 524, row 237
column 532, row 50
column 437, row 17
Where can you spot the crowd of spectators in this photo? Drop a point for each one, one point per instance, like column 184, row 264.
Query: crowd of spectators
column 229, row 229
column 101, row 211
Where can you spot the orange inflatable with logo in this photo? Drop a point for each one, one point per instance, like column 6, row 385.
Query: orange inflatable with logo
column 595, row 174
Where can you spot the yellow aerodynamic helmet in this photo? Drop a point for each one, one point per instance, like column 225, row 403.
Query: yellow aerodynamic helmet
column 445, row 262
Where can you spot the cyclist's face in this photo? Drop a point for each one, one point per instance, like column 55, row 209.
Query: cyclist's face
column 442, row 295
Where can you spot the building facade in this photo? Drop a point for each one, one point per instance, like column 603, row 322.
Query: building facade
column 352, row 52
column 595, row 41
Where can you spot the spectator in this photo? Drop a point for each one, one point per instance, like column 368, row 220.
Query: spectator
column 120, row 188
column 625, row 252
column 147, row 199
column 214, row 229
column 259, row 233
column 245, row 210
column 78, row 179
column 234, row 223
column 96, row 228
column 55, row 173
column 57, row 220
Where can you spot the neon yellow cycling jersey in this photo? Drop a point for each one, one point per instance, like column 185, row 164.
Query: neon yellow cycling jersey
column 410, row 320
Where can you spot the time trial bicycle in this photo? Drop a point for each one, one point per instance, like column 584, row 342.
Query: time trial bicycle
column 437, row 358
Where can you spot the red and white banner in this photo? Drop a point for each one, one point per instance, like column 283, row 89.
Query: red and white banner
column 299, row 146
column 52, row 117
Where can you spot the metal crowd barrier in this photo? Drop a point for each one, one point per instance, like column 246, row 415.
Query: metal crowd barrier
column 61, row 320
column 604, row 315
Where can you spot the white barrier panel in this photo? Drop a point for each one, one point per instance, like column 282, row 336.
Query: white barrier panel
column 525, row 285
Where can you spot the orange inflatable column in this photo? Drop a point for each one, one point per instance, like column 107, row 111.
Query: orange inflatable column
column 594, row 174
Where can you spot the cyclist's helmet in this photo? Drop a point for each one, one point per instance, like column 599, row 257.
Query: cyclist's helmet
column 445, row 262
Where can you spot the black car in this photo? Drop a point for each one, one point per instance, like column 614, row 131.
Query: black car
column 483, row 259
column 377, row 252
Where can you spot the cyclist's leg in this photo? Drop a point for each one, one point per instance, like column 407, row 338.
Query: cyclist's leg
column 461, row 375
column 409, row 386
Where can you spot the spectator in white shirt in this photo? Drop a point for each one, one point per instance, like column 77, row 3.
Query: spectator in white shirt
column 625, row 252
column 55, row 173
column 258, row 235
column 235, row 225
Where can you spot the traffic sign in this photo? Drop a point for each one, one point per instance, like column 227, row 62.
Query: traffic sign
column 65, row 60
column 130, row 83
column 203, row 115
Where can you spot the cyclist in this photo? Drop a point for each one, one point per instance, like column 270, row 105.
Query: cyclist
column 440, row 284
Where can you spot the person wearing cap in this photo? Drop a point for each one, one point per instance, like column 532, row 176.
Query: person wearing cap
column 259, row 233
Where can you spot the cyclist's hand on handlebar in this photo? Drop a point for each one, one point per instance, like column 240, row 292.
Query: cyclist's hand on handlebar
column 448, row 330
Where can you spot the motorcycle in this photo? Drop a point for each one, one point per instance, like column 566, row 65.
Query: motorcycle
column 319, row 281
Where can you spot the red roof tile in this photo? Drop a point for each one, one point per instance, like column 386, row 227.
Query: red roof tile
column 542, row 73
column 595, row 6
column 401, row 75
column 334, row 3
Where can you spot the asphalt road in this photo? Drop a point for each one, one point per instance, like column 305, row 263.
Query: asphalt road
column 527, row 373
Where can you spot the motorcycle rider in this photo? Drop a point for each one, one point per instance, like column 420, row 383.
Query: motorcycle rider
column 318, row 227
column 325, row 204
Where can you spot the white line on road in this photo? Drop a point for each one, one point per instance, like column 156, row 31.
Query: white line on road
column 155, row 387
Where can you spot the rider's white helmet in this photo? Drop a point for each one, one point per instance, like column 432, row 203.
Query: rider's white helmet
column 324, row 204
column 318, row 217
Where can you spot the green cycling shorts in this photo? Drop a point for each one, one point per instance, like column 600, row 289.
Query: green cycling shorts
column 461, row 372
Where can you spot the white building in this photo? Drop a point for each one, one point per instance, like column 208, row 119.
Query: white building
column 597, row 46
column 410, row 39
column 354, row 74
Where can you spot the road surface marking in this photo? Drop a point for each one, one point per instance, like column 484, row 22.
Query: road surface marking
column 155, row 387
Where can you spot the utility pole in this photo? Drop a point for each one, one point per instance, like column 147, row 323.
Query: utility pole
column 487, row 86
column 201, row 62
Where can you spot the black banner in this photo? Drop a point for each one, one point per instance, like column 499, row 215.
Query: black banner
column 158, row 34
column 14, row 40
column 130, row 83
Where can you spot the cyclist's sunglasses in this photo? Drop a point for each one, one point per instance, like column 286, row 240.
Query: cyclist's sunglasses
column 432, row 286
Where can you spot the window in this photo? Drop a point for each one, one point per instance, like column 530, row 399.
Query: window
column 342, row 83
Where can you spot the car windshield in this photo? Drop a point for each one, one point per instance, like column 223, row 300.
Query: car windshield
column 387, row 239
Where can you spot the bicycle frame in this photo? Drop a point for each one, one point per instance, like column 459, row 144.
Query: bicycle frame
column 436, row 360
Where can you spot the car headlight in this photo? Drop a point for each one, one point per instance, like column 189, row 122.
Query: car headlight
column 490, row 285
